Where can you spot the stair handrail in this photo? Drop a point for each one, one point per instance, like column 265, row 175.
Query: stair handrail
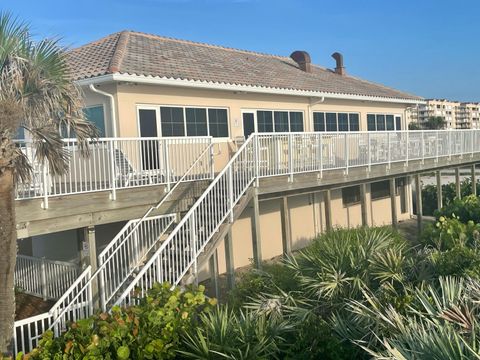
column 103, row 265
column 253, row 139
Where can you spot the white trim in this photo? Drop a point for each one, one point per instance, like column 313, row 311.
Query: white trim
column 142, row 79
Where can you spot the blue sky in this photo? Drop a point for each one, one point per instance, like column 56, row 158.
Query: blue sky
column 428, row 47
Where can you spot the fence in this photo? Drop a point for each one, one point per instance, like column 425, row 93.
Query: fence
column 45, row 278
column 110, row 164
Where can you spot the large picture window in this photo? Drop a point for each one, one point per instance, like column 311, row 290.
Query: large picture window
column 332, row 121
column 279, row 121
column 382, row 122
column 95, row 115
column 193, row 121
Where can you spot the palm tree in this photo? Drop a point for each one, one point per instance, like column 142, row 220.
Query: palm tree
column 36, row 94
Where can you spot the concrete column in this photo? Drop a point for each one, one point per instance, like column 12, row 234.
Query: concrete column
column 457, row 183
column 228, row 243
column 213, row 264
column 327, row 199
column 88, row 247
column 363, row 203
column 439, row 190
column 256, row 237
column 286, row 227
column 418, row 196
column 393, row 203
column 474, row 181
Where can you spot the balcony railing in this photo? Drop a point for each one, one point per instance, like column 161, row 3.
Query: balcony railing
column 116, row 163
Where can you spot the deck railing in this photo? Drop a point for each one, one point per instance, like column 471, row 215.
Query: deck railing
column 44, row 278
column 116, row 163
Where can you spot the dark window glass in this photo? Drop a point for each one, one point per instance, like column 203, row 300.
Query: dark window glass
column 342, row 122
column 281, row 121
column 172, row 121
column 380, row 122
column 20, row 133
column 331, row 122
column 390, row 123
column 399, row 184
column 95, row 115
column 380, row 189
column 264, row 121
column 398, row 123
column 351, row 195
column 296, row 121
column 354, row 121
column 196, row 120
column 148, row 123
column 218, row 122
column 318, row 121
column 371, row 124
column 150, row 152
column 248, row 124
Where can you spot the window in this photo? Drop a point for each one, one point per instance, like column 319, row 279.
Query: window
column 279, row 121
column 351, row 195
column 95, row 115
column 380, row 189
column 193, row 121
column 218, row 122
column 172, row 121
column 382, row 122
column 196, row 120
column 336, row 121
column 318, row 121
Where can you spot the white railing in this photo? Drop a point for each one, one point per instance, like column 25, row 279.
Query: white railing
column 45, row 278
column 265, row 155
column 28, row 331
column 116, row 163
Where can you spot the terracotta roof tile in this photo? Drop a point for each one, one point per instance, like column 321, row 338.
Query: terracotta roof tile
column 137, row 53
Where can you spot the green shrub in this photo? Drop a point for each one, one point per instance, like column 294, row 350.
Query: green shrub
column 459, row 261
column 465, row 209
column 225, row 334
column 150, row 330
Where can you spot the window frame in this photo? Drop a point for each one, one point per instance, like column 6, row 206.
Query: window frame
column 380, row 197
column 336, row 119
column 255, row 110
column 385, row 114
column 355, row 201
column 157, row 107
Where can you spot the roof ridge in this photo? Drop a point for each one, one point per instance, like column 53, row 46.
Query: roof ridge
column 169, row 38
column 95, row 42
column 119, row 52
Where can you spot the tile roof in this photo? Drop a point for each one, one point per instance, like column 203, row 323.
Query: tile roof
column 130, row 52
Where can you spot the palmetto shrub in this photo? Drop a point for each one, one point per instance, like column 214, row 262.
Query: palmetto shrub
column 339, row 264
column 440, row 323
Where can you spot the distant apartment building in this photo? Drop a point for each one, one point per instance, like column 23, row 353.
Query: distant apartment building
column 458, row 115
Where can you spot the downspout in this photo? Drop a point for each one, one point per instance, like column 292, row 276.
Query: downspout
column 112, row 107
column 309, row 107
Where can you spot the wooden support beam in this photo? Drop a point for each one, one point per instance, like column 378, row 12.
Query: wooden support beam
column 363, row 203
column 474, row 181
column 438, row 175
column 458, row 192
column 256, row 236
column 393, row 203
column 327, row 199
column 418, row 197
column 214, row 273
column 228, row 243
column 286, row 227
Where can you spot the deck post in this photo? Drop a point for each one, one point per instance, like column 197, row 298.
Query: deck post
column 363, row 203
column 327, row 197
column 418, row 197
column 458, row 190
column 256, row 237
column 474, row 181
column 228, row 243
column 286, row 227
column 213, row 263
column 439, row 190
column 393, row 202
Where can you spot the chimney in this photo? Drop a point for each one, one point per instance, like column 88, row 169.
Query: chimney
column 303, row 60
column 339, row 69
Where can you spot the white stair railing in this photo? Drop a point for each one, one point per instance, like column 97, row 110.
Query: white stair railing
column 45, row 278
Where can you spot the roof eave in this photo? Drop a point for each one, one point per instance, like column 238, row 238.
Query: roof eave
column 151, row 80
